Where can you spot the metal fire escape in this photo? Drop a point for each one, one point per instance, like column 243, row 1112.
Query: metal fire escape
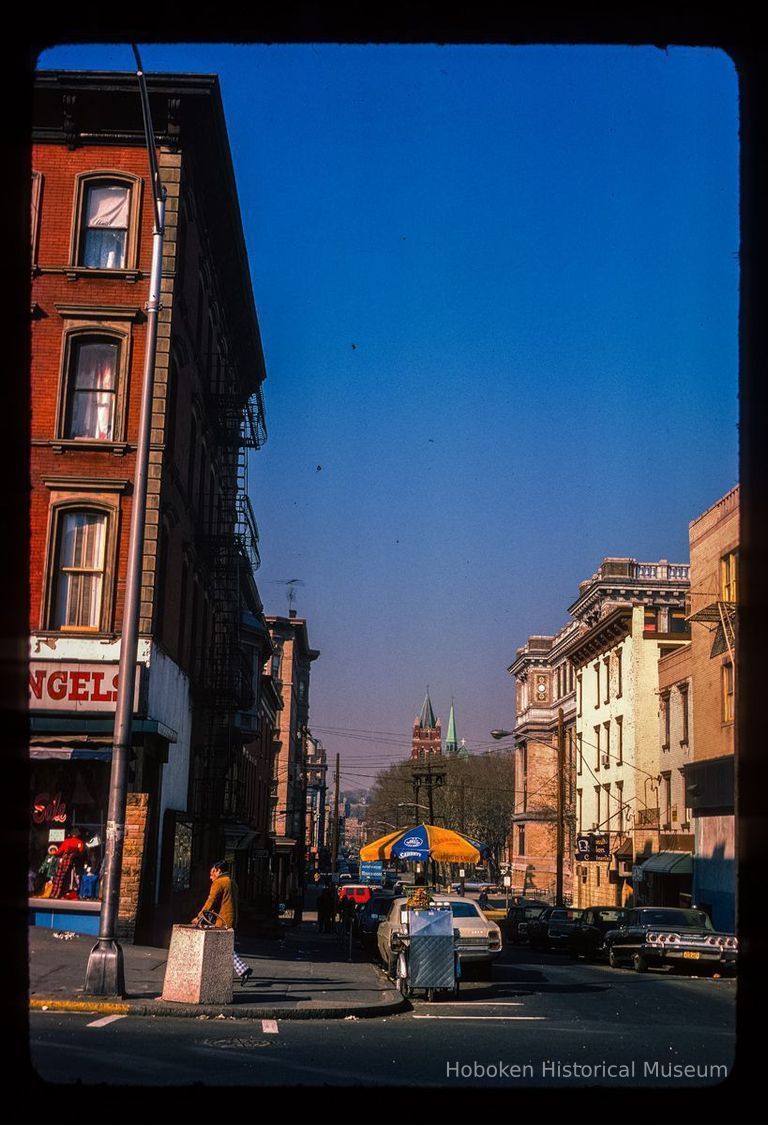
column 226, row 550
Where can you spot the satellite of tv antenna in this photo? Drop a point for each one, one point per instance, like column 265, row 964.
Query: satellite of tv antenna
column 290, row 584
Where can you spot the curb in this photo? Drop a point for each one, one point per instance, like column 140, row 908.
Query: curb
column 196, row 1011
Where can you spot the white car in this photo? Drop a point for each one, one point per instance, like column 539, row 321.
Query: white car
column 479, row 939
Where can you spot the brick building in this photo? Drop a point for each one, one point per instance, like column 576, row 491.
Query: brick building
column 544, row 684
column 290, row 667
column 714, row 539
column 427, row 739
column 203, row 641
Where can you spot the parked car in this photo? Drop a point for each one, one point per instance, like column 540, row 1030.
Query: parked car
column 472, row 886
column 587, row 937
column 495, row 910
column 369, row 915
column 360, row 892
column 561, row 924
column 665, row 935
column 479, row 939
column 518, row 918
column 552, row 928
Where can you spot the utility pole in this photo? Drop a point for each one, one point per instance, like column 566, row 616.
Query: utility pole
column 335, row 837
column 105, row 974
column 560, row 846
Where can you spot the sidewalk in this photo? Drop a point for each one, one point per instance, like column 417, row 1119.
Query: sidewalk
column 299, row 975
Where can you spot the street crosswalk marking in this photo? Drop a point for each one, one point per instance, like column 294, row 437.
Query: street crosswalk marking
column 104, row 1021
column 481, row 1003
column 269, row 1027
column 480, row 1017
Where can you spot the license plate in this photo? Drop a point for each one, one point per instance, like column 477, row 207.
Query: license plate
column 691, row 955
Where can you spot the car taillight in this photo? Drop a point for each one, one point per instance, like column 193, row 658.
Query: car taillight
column 653, row 937
column 731, row 943
column 672, row 938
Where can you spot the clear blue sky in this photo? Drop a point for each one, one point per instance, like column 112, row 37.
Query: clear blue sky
column 498, row 293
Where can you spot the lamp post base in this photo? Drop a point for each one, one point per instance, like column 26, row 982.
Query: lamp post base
column 105, row 975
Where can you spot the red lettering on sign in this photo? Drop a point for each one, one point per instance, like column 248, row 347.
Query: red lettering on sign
column 57, row 685
column 45, row 810
column 79, row 688
column 36, row 681
column 115, row 678
column 96, row 695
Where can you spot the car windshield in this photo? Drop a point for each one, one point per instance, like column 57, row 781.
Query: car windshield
column 496, row 904
column 695, row 918
column 605, row 915
column 564, row 915
column 464, row 910
column 533, row 912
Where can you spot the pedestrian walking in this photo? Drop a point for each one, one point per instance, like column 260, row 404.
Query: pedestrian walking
column 222, row 900
column 325, row 911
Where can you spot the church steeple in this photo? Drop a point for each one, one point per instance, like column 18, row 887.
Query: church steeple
column 451, row 741
column 427, row 716
column 427, row 736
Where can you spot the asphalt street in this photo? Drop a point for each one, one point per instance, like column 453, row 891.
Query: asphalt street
column 542, row 1021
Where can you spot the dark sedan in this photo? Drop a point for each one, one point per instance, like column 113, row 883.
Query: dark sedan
column 520, row 916
column 552, row 929
column 671, row 936
column 587, row 938
column 368, row 916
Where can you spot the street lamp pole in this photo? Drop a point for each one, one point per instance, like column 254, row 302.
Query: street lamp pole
column 105, row 974
column 560, row 846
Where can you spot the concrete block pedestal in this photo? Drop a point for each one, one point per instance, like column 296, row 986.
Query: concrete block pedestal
column 200, row 966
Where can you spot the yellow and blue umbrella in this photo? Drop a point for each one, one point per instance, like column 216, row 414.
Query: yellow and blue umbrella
column 424, row 842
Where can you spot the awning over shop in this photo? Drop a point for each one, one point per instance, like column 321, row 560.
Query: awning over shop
column 71, row 753
column 669, row 863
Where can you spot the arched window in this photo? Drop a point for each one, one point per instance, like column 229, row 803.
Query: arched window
column 106, row 221
column 105, row 226
column 79, row 570
column 92, row 388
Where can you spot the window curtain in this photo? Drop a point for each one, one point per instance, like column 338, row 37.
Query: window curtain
column 106, row 222
column 81, row 565
column 93, row 392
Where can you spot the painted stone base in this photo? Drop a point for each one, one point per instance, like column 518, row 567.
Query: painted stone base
column 200, row 967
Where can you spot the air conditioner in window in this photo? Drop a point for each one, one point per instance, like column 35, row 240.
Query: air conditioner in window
column 686, row 827
column 666, row 828
column 606, row 761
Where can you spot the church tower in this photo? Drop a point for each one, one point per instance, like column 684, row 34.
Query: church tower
column 427, row 737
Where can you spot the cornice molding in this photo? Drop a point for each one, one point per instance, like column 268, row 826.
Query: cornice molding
column 99, row 312
column 87, row 484
column 601, row 636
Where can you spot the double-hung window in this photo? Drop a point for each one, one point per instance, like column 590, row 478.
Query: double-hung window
column 104, row 235
column 80, row 560
column 91, row 389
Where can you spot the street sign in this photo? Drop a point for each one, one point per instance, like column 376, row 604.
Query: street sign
column 593, row 845
column 372, row 872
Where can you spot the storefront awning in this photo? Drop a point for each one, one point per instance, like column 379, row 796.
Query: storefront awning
column 68, row 753
column 669, row 863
